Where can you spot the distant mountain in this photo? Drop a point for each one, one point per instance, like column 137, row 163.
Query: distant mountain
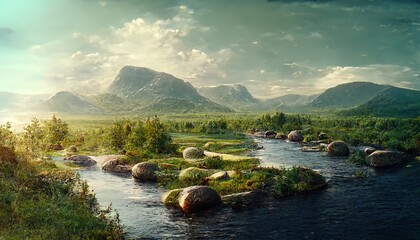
column 391, row 102
column 347, row 95
column 293, row 100
column 69, row 103
column 235, row 96
column 148, row 89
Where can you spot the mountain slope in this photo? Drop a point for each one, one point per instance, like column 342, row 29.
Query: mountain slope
column 347, row 95
column 231, row 95
column 292, row 100
column 147, row 89
column 391, row 102
column 69, row 103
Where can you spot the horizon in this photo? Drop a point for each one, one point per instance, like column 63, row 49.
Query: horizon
column 273, row 48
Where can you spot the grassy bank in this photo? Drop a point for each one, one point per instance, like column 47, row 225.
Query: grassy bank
column 40, row 201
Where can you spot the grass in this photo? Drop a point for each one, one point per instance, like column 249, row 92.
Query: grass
column 38, row 200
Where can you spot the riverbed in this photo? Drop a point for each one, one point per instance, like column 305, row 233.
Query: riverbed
column 383, row 205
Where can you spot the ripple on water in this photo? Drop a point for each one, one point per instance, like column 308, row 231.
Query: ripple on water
column 384, row 205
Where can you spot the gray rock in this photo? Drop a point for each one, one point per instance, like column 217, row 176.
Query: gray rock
column 383, row 159
column 72, row 148
column 83, row 161
column 243, row 199
column 198, row 198
column 144, row 171
column 295, row 136
column 193, row 153
column 218, row 176
column 338, row 148
column 114, row 166
column 270, row 134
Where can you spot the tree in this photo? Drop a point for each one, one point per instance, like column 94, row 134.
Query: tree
column 55, row 131
column 7, row 137
column 33, row 138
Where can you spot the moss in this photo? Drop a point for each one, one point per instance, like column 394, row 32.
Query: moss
column 171, row 198
column 357, row 158
column 193, row 175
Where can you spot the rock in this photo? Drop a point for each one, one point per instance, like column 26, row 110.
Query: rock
column 114, row 166
column 367, row 150
column 243, row 199
column 382, row 159
column 171, row 198
column 295, row 136
column 193, row 174
column 193, row 153
column 259, row 134
column 56, row 147
column 83, row 161
column 72, row 148
column 270, row 134
column 281, row 136
column 7, row 155
column 144, row 171
column 218, row 176
column 338, row 148
column 198, row 198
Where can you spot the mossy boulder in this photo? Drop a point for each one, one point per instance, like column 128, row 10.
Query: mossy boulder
column 198, row 198
column 338, row 148
column 193, row 174
column 295, row 136
column 193, row 153
column 281, row 136
column 83, row 161
column 383, row 159
column 243, row 199
column 171, row 198
column 145, row 171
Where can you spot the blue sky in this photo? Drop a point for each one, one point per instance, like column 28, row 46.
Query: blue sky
column 272, row 47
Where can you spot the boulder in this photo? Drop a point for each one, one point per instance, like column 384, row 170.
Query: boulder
column 367, row 150
column 218, row 176
column 114, row 166
column 259, row 134
column 193, row 153
column 322, row 136
column 144, row 171
column 295, row 136
column 72, row 148
column 382, row 159
column 338, row 148
column 270, row 134
column 198, row 198
column 193, row 174
column 281, row 136
column 83, row 161
column 171, row 198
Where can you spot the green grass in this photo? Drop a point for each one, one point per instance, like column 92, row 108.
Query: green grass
column 40, row 201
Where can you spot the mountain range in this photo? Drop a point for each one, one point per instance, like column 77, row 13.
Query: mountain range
column 139, row 90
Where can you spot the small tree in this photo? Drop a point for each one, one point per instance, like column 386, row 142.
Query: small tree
column 7, row 137
column 33, row 138
column 55, row 131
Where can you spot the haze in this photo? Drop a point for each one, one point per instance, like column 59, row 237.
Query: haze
column 272, row 47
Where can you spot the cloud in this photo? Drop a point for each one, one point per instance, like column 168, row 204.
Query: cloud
column 5, row 33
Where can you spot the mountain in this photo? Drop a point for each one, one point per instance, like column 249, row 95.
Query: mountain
column 69, row 103
column 146, row 89
column 347, row 95
column 232, row 95
column 292, row 100
column 10, row 101
column 391, row 102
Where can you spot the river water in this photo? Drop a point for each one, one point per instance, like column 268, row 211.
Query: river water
column 383, row 205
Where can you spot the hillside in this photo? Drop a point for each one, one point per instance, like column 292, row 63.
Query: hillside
column 69, row 103
column 235, row 96
column 147, row 89
column 391, row 102
column 292, row 100
column 347, row 95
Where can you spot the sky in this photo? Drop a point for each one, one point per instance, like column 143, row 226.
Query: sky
column 273, row 47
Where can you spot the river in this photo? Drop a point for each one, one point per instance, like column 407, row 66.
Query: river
column 383, row 205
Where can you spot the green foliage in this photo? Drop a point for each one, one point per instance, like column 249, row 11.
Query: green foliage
column 7, row 137
column 357, row 158
column 218, row 163
column 39, row 201
column 56, row 131
column 33, row 138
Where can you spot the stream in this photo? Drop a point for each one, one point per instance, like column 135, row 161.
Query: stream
column 383, row 205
